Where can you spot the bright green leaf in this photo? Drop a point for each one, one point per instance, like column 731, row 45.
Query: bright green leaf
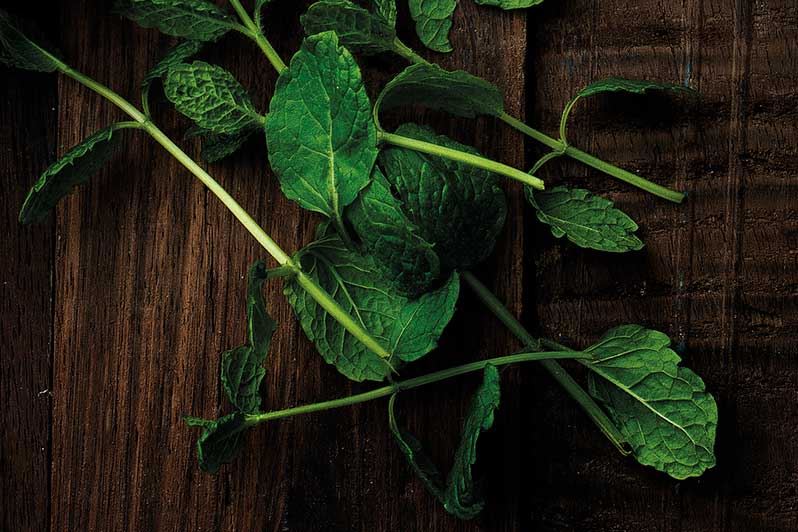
column 176, row 55
column 459, row 495
column 587, row 220
column 220, row 440
column 662, row 409
column 509, row 4
column 458, row 208
column 433, row 22
column 211, row 97
column 19, row 51
column 198, row 20
column 73, row 169
column 321, row 138
column 358, row 29
column 408, row 329
column 404, row 258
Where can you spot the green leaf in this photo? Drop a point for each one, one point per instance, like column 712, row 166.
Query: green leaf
column 458, row 208
column 19, row 51
column 456, row 92
column 361, row 31
column 459, row 495
column 433, row 22
column 407, row 261
column 198, row 20
column 587, row 220
column 220, row 440
column 662, row 409
column 216, row 147
column 242, row 367
column 408, row 329
column 509, row 4
column 177, row 55
column 211, row 97
column 386, row 9
column 73, row 169
column 321, row 138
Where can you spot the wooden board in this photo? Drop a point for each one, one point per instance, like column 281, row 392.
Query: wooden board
column 121, row 304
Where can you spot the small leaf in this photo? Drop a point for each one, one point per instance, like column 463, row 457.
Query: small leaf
column 386, row 9
column 178, row 54
column 458, row 208
column 361, row 31
column 216, row 147
column 242, row 367
column 459, row 495
column 407, row 261
column 587, row 220
column 433, row 22
column 407, row 329
column 509, row 4
column 321, row 138
column 19, row 51
column 199, row 20
column 220, row 440
column 211, row 97
column 456, row 92
column 73, row 169
column 662, row 409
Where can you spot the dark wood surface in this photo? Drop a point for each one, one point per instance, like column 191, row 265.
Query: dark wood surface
column 115, row 311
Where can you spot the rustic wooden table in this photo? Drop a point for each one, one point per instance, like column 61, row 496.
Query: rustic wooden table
column 114, row 312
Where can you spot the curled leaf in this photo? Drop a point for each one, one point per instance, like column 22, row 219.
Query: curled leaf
column 220, row 441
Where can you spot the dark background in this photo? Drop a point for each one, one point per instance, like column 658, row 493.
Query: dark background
column 115, row 311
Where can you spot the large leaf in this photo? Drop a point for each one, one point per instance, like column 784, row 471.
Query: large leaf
column 587, row 220
column 242, row 367
column 457, row 208
column 404, row 258
column 509, row 4
column 456, row 92
column 211, row 97
column 321, row 138
column 220, row 440
column 19, row 51
column 360, row 30
column 662, row 409
column 198, row 20
column 433, row 22
column 407, row 329
column 73, row 169
column 459, row 494
column 177, row 55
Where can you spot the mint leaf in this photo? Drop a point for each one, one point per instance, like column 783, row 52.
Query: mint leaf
column 211, row 97
column 661, row 408
column 220, row 440
column 587, row 220
column 459, row 495
column 408, row 329
column 17, row 50
column 242, row 367
column 407, row 261
column 433, row 21
column 358, row 29
column 73, row 169
column 456, row 92
column 509, row 4
column 321, row 138
column 457, row 208
column 386, row 9
column 178, row 54
column 216, row 147
column 199, row 20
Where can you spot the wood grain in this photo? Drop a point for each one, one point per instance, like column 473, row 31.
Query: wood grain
column 137, row 286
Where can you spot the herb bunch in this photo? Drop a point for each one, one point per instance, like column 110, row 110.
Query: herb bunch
column 404, row 216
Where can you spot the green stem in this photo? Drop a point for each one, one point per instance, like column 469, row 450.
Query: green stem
column 408, row 53
column 573, row 389
column 594, row 162
column 314, row 290
column 423, row 380
column 462, row 157
column 255, row 34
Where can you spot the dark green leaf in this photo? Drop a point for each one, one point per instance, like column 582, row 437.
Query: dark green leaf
column 402, row 255
column 360, row 30
column 216, row 147
column 457, row 208
column 662, row 409
column 459, row 495
column 457, row 92
column 433, row 22
column 407, row 329
column 509, row 4
column 587, row 220
column 198, row 20
column 19, row 51
column 220, row 440
column 386, row 9
column 211, row 97
column 321, row 138
column 73, row 169
column 242, row 367
column 176, row 55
